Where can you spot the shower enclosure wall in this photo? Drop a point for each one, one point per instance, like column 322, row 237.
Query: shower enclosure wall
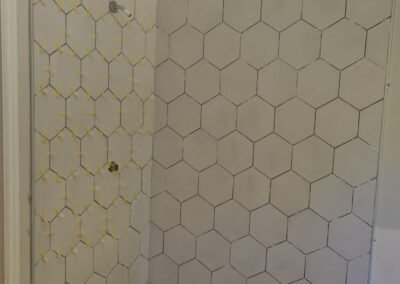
column 206, row 141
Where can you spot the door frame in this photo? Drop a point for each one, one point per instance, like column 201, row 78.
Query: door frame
column 16, row 115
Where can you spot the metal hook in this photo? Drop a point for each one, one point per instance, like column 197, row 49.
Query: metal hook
column 114, row 7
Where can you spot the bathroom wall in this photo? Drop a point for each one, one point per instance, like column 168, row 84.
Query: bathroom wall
column 93, row 105
column 268, row 119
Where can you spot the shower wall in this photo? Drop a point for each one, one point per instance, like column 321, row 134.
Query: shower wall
column 93, row 105
column 268, row 128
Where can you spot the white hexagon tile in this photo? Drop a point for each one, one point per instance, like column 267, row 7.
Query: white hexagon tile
column 207, row 141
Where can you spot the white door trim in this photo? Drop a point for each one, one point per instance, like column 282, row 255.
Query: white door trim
column 386, row 246
column 15, row 57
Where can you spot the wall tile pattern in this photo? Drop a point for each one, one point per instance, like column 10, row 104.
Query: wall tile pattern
column 93, row 104
column 266, row 147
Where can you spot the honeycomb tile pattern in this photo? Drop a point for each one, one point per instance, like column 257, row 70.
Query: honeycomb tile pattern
column 247, row 138
column 93, row 100
column 273, row 122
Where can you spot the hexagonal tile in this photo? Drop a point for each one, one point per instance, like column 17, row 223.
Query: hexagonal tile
column 255, row 118
column 197, row 215
column 42, row 155
column 251, row 189
column 163, row 270
column 227, row 275
column 327, row 267
column 65, row 153
column 151, row 241
column 350, row 237
column 129, row 247
column 213, row 250
column 300, row 44
column 218, row 117
column 277, row 82
column 170, row 81
column 181, row 181
column 238, row 82
column 262, row 278
column 235, row 153
column 130, row 178
column 194, row 272
column 41, row 68
column 281, row 13
column 356, row 162
column 155, row 114
column 108, row 37
column 268, row 225
column 260, row 45
column 200, row 150
column 362, row 84
column 140, row 212
column 94, row 74
column 132, row 113
column 312, row 159
column 108, row 113
column 81, row 29
column 79, row 264
column 142, row 148
column 186, row 46
column 133, row 43
column 80, row 190
column 80, row 109
column 165, row 211
column 41, row 238
column 48, row 25
column 146, row 13
column 202, row 81
column 370, row 125
column 197, row 9
column 120, row 79
column 290, row 193
column 93, row 147
column 167, row 147
column 119, row 147
column 107, row 187
column 318, row 83
column 240, row 15
column 179, row 245
column 248, row 256
column 323, row 13
column 294, row 120
column 184, row 115
column 52, row 270
column 222, row 46
column 171, row 14
column 118, row 218
column 231, row 220
column 96, row 9
column 378, row 43
column 65, row 70
column 93, row 224
column 368, row 13
column 272, row 156
column 139, row 271
column 331, row 197
column 50, row 196
column 96, row 279
column 336, row 129
column 144, row 81
column 119, row 274
column 343, row 44
column 68, row 5
column 65, row 232
column 364, row 201
column 307, row 231
column 105, row 256
column 285, row 263
column 216, row 185
column 358, row 270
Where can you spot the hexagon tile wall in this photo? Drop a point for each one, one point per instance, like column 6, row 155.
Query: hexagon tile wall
column 260, row 141
column 93, row 101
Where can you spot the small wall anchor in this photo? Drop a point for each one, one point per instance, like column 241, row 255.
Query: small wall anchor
column 114, row 7
column 113, row 167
